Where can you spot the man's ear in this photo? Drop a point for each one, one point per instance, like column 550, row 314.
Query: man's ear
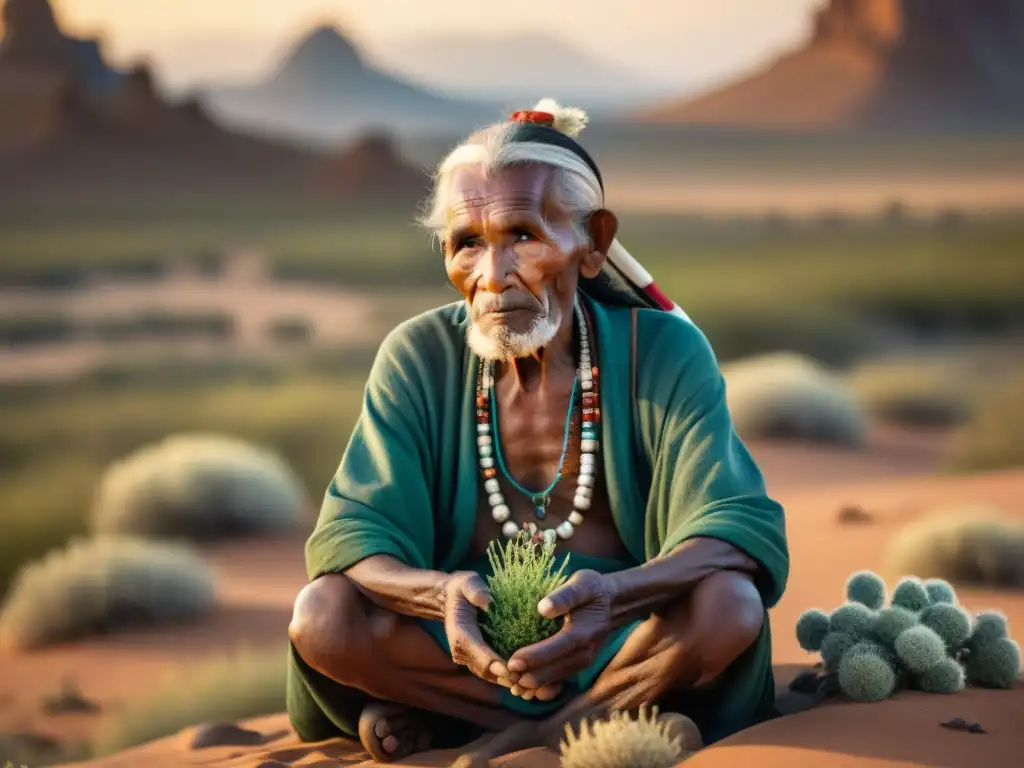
column 601, row 228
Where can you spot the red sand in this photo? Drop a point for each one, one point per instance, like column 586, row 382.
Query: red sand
column 894, row 482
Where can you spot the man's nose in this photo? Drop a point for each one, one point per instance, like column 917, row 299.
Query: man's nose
column 497, row 265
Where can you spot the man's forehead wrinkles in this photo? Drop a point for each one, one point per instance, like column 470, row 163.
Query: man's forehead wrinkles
column 497, row 204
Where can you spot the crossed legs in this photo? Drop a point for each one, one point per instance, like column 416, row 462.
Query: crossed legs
column 392, row 659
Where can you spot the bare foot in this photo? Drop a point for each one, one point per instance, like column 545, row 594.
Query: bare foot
column 390, row 732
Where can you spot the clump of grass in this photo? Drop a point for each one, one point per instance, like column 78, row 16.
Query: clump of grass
column 919, row 393
column 787, row 396
column 198, row 487
column 623, row 742
column 227, row 689
column 97, row 586
column 27, row 330
column 523, row 574
column 290, row 330
column 923, row 640
column 993, row 437
column 969, row 546
column 161, row 324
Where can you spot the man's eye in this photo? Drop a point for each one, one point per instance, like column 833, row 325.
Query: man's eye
column 467, row 242
column 522, row 236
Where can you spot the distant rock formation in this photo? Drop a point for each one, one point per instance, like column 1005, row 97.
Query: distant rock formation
column 324, row 92
column 69, row 123
column 882, row 64
column 72, row 125
column 372, row 169
column 34, row 44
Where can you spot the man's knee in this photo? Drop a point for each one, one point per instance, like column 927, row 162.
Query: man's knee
column 328, row 628
column 722, row 618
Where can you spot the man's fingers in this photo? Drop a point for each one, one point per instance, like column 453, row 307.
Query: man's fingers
column 476, row 592
column 580, row 589
column 559, row 602
column 549, row 692
column 469, row 650
column 567, row 642
column 555, row 673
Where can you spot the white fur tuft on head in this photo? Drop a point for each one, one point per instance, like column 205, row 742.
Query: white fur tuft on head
column 568, row 120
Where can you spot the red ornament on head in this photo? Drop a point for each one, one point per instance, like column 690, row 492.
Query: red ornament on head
column 533, row 116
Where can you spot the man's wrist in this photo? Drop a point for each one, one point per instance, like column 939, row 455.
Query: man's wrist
column 638, row 592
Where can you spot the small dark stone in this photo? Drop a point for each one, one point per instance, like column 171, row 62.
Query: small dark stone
column 956, row 724
column 224, row 735
column 854, row 515
column 806, row 682
column 70, row 700
column 829, row 686
column 976, row 728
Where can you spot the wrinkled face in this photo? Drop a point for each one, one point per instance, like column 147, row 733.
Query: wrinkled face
column 514, row 256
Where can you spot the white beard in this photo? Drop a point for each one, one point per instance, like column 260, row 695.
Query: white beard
column 504, row 345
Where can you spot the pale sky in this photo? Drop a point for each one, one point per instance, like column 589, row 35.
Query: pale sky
column 717, row 36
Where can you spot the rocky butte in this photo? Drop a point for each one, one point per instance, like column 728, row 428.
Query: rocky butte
column 882, row 64
column 70, row 125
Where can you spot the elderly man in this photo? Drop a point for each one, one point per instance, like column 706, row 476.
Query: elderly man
column 565, row 396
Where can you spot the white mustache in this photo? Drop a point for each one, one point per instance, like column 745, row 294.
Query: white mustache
column 491, row 303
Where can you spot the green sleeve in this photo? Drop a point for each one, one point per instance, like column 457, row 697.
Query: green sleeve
column 705, row 482
column 379, row 501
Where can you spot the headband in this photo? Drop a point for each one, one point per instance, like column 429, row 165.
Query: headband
column 622, row 280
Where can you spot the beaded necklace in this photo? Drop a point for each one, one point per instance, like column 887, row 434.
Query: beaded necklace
column 489, row 449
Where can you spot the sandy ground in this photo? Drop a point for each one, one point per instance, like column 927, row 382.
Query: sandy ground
column 340, row 318
column 894, row 482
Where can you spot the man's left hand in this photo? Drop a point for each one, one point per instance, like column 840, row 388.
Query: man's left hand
column 585, row 603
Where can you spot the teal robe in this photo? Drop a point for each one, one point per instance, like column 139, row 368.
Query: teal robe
column 673, row 464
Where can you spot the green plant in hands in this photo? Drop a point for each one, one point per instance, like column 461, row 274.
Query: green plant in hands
column 523, row 574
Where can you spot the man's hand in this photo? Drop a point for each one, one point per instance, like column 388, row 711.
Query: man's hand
column 464, row 593
column 585, row 602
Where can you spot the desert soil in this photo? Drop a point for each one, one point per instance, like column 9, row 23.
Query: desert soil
column 894, row 481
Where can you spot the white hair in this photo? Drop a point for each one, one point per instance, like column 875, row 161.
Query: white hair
column 574, row 186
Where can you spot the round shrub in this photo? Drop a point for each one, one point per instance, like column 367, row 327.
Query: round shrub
column 945, row 677
column 866, row 677
column 811, row 629
column 966, row 546
column 866, row 588
column 834, row 646
column 920, row 649
column 940, row 591
column 995, row 664
column 870, row 646
column 101, row 585
column 853, row 619
column 788, row 396
column 989, row 627
column 910, row 594
column 890, row 623
column 198, row 487
column 950, row 622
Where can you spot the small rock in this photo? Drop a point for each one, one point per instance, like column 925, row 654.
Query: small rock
column 70, row 700
column 854, row 515
column 224, row 735
column 806, row 682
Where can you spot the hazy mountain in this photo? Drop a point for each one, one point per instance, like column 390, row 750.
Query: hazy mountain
column 325, row 91
column 890, row 64
column 520, row 69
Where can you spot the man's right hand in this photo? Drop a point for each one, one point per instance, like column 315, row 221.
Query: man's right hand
column 464, row 594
